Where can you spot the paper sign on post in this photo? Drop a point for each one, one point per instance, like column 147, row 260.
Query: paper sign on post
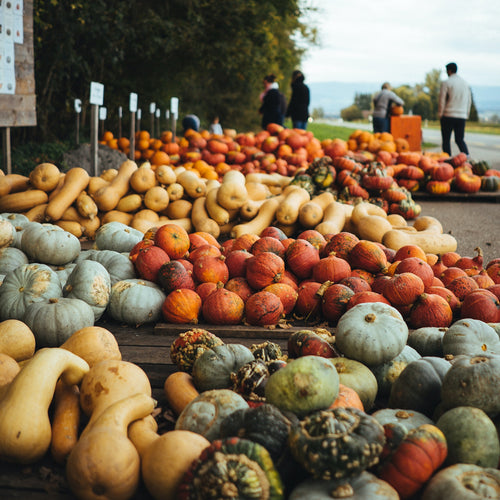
column 133, row 102
column 139, row 114
column 157, row 113
column 152, row 107
column 120, row 111
column 103, row 112
column 174, row 106
column 96, row 93
column 78, row 105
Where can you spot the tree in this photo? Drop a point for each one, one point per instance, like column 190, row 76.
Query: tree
column 351, row 113
column 432, row 84
column 363, row 101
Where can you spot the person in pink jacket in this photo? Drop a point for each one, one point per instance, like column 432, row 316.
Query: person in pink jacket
column 454, row 105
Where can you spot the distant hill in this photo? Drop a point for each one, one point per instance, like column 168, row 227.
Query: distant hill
column 334, row 96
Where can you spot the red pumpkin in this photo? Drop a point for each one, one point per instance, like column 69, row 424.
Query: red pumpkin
column 332, row 269
column 369, row 256
column 290, row 279
column 149, row 261
column 449, row 258
column 364, row 275
column 438, row 267
column 467, row 182
column 173, row 275
column 403, row 289
column 301, row 258
column 495, row 290
column 274, row 232
column 450, row 273
column 263, row 269
column 199, row 238
column 209, row 268
column 308, row 303
column 223, row 307
column 181, row 306
column 494, row 272
column 286, row 293
column 418, row 456
column 430, row 310
column 203, row 250
column 315, row 238
column 341, row 243
column 268, row 244
column 137, row 248
column 407, row 251
column 244, row 242
column 442, row 172
column 448, row 295
column 236, row 262
column 379, row 283
column 240, row 285
column 334, row 302
column 263, row 308
column 462, row 286
column 310, row 343
column 483, row 280
column 362, row 297
column 206, row 288
column 173, row 239
column 481, row 304
column 417, row 266
column 356, row 284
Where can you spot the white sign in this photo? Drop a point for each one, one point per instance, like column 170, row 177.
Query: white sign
column 120, row 112
column 174, row 106
column 152, row 107
column 139, row 113
column 133, row 102
column 103, row 112
column 78, row 105
column 96, row 93
column 157, row 114
column 167, row 114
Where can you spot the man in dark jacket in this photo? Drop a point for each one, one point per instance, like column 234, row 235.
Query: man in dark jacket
column 298, row 107
column 271, row 108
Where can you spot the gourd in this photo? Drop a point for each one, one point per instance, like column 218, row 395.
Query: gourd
column 334, row 219
column 338, row 443
column 370, row 221
column 217, row 212
column 311, row 212
column 471, row 437
column 372, row 333
column 13, row 183
column 108, row 196
column 305, row 384
column 75, row 181
column 179, row 390
column 116, row 236
column 104, row 447
column 232, row 193
column 23, row 201
column 263, row 219
column 288, row 210
column 428, row 236
column 86, row 206
column 93, row 344
column 201, row 219
column 25, row 431
column 156, row 198
column 193, row 185
column 16, row 339
column 165, row 458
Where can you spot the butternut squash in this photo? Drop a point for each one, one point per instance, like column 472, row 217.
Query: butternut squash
column 65, row 421
column 45, row 176
column 96, row 183
column 75, row 181
column 263, row 219
column 212, row 184
column 116, row 215
column 179, row 390
column 311, row 212
column 428, row 235
column 218, row 213
column 184, row 222
column 130, row 203
column 251, row 208
column 156, row 198
column 105, row 463
column 37, row 213
column 93, row 344
column 16, row 339
column 23, row 201
column 334, row 218
column 288, row 211
column 143, row 225
column 193, row 185
column 165, row 175
column 201, row 220
column 70, row 226
column 370, row 221
column 86, row 206
column 397, row 221
column 25, row 430
column 13, row 183
column 273, row 179
column 59, row 186
column 175, row 191
column 90, row 226
column 107, row 197
column 109, row 174
column 232, row 193
column 143, row 178
column 178, row 209
column 166, row 458
column 9, row 368
column 257, row 191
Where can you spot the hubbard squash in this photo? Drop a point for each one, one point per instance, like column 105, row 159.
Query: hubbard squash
column 25, row 431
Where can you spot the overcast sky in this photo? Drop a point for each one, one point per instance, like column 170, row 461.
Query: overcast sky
column 400, row 41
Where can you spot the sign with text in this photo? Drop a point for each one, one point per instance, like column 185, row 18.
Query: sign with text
column 96, row 93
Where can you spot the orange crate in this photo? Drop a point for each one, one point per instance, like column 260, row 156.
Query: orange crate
column 408, row 127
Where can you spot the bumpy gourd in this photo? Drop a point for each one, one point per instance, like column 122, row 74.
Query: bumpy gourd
column 25, row 430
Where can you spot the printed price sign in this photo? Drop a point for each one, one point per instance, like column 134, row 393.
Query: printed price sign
column 78, row 105
column 152, row 107
column 133, row 102
column 103, row 112
column 96, row 93
column 174, row 106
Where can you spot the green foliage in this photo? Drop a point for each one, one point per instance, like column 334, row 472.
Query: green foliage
column 363, row 101
column 211, row 54
column 351, row 113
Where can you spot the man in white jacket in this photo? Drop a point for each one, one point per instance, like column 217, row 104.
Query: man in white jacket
column 455, row 101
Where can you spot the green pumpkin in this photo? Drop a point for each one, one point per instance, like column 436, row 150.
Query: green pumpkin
column 205, row 413
column 213, row 369
column 470, row 336
column 480, row 167
column 365, row 486
column 471, row 437
column 63, row 272
column 10, row 258
column 304, row 385
column 89, row 281
column 49, row 244
column 54, row 321
column 418, row 386
column 490, row 183
column 322, row 172
column 24, row 285
column 359, row 377
column 464, row 482
column 304, row 181
column 427, row 341
column 232, row 468
column 338, row 443
column 116, row 236
column 19, row 221
column 136, row 302
column 473, row 381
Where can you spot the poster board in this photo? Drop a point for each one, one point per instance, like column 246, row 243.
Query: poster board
column 17, row 67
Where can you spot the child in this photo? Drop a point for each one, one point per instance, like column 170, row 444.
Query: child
column 215, row 127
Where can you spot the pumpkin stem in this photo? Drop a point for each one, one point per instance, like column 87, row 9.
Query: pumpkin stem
column 370, row 318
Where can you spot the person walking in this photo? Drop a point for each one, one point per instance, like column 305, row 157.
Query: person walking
column 298, row 107
column 455, row 100
column 382, row 103
column 271, row 107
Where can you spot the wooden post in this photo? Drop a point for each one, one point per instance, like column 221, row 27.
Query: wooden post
column 132, row 136
column 78, row 110
column 7, row 159
column 120, row 113
column 94, row 131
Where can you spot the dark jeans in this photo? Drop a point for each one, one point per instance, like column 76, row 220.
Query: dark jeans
column 457, row 126
column 300, row 124
column 381, row 124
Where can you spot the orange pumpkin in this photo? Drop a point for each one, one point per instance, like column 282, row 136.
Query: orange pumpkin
column 173, row 239
column 347, row 398
column 223, row 307
column 181, row 306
